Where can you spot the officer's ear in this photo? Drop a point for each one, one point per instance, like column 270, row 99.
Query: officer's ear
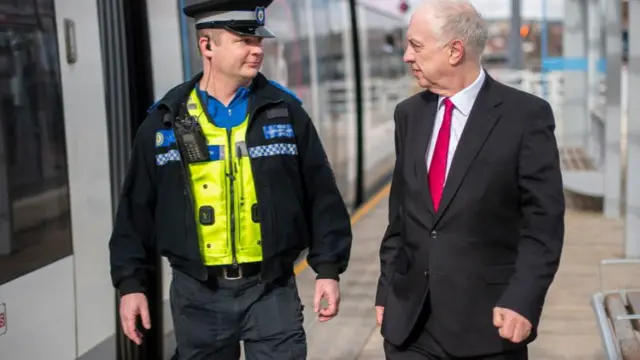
column 204, row 44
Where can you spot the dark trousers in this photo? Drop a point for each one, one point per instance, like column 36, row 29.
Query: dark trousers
column 427, row 348
column 211, row 319
column 421, row 345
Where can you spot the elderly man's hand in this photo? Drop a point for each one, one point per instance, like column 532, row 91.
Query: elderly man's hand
column 511, row 325
column 379, row 314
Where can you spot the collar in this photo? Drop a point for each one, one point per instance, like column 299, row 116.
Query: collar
column 241, row 94
column 261, row 89
column 464, row 99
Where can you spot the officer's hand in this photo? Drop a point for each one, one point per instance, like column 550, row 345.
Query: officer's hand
column 132, row 305
column 379, row 314
column 330, row 290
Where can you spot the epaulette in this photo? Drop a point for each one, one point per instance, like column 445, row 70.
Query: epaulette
column 285, row 89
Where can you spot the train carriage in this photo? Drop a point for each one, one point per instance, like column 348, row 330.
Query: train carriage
column 76, row 79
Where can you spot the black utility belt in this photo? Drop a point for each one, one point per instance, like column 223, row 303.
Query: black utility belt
column 235, row 272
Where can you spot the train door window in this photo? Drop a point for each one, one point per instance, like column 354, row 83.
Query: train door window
column 287, row 57
column 330, row 28
column 386, row 69
column 35, row 226
column 191, row 54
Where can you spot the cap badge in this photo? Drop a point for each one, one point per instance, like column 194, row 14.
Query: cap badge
column 260, row 15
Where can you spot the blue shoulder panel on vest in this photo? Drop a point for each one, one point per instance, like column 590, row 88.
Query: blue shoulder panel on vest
column 285, row 89
column 165, row 138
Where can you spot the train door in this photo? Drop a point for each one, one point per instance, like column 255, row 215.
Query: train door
column 55, row 205
column 140, row 66
column 166, row 35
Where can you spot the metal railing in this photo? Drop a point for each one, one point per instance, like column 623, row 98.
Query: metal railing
column 605, row 322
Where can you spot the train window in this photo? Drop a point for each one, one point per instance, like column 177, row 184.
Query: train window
column 386, row 70
column 287, row 57
column 335, row 122
column 193, row 63
column 35, row 226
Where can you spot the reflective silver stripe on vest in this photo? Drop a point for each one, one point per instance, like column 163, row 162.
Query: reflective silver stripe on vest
column 241, row 148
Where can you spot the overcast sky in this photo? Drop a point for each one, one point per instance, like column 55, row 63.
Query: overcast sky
column 493, row 9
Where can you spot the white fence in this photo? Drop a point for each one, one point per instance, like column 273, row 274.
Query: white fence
column 550, row 86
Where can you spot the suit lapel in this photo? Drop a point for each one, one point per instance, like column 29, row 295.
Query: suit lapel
column 423, row 119
column 482, row 118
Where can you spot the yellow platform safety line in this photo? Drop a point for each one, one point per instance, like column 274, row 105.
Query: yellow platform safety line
column 360, row 212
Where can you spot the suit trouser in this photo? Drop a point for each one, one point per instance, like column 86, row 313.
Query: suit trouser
column 421, row 345
column 427, row 348
column 210, row 321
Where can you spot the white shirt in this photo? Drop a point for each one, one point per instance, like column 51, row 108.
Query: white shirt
column 463, row 102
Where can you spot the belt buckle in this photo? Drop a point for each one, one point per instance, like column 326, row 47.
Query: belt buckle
column 225, row 274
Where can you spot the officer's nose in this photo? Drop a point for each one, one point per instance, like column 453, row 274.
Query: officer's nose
column 257, row 51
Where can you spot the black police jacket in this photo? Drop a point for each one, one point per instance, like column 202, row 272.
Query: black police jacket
column 299, row 203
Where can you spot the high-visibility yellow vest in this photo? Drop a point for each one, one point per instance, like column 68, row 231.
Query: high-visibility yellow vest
column 225, row 183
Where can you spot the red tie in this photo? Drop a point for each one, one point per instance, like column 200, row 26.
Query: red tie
column 438, row 168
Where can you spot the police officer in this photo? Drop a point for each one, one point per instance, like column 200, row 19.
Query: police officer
column 229, row 180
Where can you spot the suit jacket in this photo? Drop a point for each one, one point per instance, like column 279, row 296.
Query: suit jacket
column 497, row 236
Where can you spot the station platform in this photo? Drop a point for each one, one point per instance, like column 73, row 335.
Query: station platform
column 568, row 328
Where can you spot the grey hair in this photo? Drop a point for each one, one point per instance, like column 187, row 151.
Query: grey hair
column 457, row 19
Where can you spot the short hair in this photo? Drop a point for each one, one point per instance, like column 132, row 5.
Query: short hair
column 212, row 34
column 456, row 19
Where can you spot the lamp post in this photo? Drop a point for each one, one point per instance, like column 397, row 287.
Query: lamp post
column 515, row 40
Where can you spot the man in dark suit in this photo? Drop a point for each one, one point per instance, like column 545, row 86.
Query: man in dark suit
column 476, row 210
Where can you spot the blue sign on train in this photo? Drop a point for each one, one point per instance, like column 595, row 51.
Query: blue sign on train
column 571, row 64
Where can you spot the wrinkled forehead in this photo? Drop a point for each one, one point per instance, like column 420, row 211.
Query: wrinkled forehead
column 419, row 30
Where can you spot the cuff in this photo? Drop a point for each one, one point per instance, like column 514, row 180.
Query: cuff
column 328, row 271
column 130, row 286
column 381, row 296
column 527, row 304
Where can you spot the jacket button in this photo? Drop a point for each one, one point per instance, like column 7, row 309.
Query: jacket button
column 426, row 273
column 434, row 234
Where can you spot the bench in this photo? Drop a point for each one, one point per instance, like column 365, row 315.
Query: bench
column 582, row 169
column 618, row 316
